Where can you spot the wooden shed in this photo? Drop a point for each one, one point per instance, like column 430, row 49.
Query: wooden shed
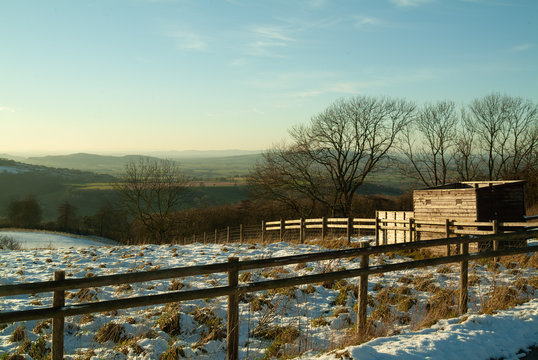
column 472, row 201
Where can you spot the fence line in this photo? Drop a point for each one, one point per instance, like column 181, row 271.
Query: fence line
column 59, row 310
column 324, row 229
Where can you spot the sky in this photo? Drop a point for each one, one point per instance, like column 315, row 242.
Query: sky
column 113, row 76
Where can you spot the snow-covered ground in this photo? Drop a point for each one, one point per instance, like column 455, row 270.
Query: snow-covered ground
column 308, row 320
column 49, row 240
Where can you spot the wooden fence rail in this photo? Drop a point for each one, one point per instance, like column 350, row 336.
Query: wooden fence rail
column 345, row 228
column 59, row 310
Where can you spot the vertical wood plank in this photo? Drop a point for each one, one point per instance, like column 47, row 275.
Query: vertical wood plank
column 233, row 314
column 495, row 230
column 376, row 230
column 349, row 231
column 263, row 231
column 323, row 228
column 447, row 235
column 464, row 275
column 301, row 231
column 216, row 236
column 363, row 296
column 58, row 300
column 227, row 234
column 281, row 229
column 241, row 234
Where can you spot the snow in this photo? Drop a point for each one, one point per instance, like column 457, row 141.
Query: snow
column 11, row 170
column 472, row 336
column 46, row 240
column 502, row 335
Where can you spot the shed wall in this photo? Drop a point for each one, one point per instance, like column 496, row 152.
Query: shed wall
column 453, row 204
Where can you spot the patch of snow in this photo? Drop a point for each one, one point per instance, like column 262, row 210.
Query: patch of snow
column 46, row 240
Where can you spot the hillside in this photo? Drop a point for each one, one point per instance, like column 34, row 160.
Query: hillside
column 316, row 318
column 51, row 186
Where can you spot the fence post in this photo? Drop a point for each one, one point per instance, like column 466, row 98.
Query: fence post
column 363, row 296
column 193, row 238
column 58, row 300
column 464, row 274
column 215, row 236
column 447, row 235
column 376, row 227
column 241, row 234
column 205, row 237
column 233, row 313
column 495, row 229
column 227, row 234
column 349, row 229
column 281, row 229
column 323, row 228
column 263, row 231
column 301, row 231
column 411, row 229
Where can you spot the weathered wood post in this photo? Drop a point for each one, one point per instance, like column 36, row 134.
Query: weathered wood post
column 227, row 234
column 376, row 227
column 58, row 300
column 216, row 236
column 495, row 230
column 281, row 229
column 323, row 228
column 241, row 234
column 301, row 231
column 464, row 275
column 363, row 296
column 233, row 313
column 205, row 237
column 412, row 229
column 349, row 231
column 447, row 235
column 193, row 238
column 263, row 231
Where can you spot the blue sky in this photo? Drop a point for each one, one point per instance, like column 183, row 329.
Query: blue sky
column 142, row 75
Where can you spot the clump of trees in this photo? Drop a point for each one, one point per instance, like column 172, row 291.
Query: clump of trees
column 24, row 213
column 330, row 158
column 493, row 138
column 151, row 190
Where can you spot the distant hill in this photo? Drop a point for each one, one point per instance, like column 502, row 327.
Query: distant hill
column 201, row 153
column 200, row 164
column 87, row 162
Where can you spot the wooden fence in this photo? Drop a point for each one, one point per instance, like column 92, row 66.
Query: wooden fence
column 60, row 310
column 324, row 229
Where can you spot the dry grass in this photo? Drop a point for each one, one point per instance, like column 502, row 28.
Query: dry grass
column 19, row 334
column 110, row 332
column 502, row 298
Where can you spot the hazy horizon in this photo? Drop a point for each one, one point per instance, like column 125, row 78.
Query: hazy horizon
column 138, row 76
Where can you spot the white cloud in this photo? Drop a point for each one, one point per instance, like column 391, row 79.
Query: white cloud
column 523, row 47
column 361, row 21
column 188, row 40
column 266, row 39
column 7, row 109
column 410, row 3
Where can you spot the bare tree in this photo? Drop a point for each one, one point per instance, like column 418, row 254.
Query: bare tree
column 467, row 158
column 428, row 144
column 507, row 133
column 151, row 190
column 330, row 158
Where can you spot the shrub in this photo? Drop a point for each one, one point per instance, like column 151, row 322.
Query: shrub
column 9, row 243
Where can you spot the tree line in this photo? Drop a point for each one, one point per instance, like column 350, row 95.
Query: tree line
column 321, row 167
column 325, row 162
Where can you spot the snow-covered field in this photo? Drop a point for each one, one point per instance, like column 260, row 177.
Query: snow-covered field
column 49, row 240
column 310, row 320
